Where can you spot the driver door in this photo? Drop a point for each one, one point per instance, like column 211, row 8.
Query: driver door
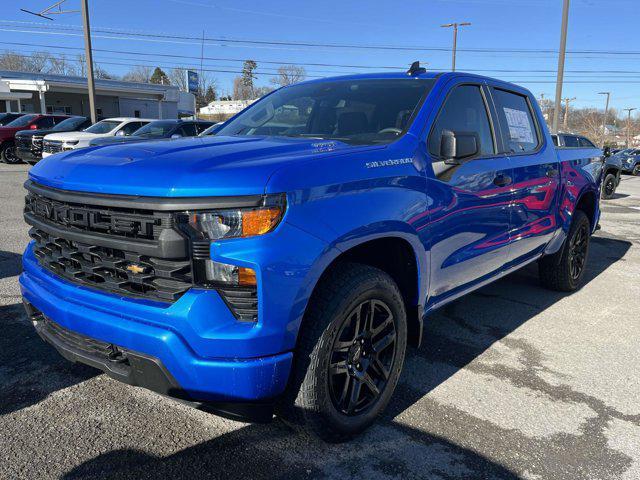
column 468, row 231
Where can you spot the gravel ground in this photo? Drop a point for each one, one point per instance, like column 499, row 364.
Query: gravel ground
column 512, row 381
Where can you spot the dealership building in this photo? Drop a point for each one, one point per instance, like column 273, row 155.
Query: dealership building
column 47, row 93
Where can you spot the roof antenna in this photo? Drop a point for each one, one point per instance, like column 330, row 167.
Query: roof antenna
column 416, row 69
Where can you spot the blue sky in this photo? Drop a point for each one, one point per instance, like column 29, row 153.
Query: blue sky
column 605, row 29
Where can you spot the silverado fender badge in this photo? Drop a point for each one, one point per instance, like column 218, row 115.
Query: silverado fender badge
column 389, row 163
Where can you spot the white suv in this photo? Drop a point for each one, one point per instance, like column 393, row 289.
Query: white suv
column 60, row 142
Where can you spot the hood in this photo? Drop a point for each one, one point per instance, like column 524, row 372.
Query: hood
column 189, row 167
column 31, row 133
column 9, row 132
column 71, row 135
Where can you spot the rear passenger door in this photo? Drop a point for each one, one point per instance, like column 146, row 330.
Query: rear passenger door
column 468, row 232
column 536, row 174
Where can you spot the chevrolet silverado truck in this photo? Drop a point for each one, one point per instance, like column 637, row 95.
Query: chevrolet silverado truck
column 285, row 264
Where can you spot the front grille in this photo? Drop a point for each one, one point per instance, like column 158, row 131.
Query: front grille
column 37, row 142
column 113, row 270
column 24, row 143
column 52, row 146
column 127, row 223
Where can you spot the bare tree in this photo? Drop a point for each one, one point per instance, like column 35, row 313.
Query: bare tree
column 139, row 74
column 289, row 74
column 61, row 65
column 14, row 62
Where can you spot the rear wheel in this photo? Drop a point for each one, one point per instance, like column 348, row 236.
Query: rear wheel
column 8, row 153
column 609, row 186
column 350, row 353
column 563, row 271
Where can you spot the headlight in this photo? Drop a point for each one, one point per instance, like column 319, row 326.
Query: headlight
column 204, row 227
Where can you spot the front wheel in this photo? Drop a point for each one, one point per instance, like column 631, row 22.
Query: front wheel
column 636, row 170
column 609, row 186
column 350, row 354
column 563, row 271
column 9, row 153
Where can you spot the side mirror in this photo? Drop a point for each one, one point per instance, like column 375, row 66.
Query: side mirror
column 120, row 133
column 606, row 151
column 176, row 135
column 456, row 146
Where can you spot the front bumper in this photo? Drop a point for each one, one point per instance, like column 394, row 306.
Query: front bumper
column 200, row 360
column 28, row 155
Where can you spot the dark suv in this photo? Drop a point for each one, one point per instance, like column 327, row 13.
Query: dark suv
column 7, row 117
column 156, row 131
column 630, row 160
column 29, row 142
column 30, row 121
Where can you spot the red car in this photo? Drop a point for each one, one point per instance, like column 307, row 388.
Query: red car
column 30, row 121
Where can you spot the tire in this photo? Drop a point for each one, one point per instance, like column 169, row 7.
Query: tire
column 636, row 170
column 608, row 186
column 318, row 398
column 8, row 153
column 558, row 271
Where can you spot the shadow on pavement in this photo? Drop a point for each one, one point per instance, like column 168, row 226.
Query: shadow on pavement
column 10, row 264
column 30, row 368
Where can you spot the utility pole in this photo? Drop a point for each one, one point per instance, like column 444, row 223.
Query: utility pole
column 561, row 55
column 455, row 40
column 56, row 9
column 89, row 54
column 565, row 121
column 628, row 110
column 604, row 118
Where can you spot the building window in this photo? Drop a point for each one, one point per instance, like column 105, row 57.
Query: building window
column 51, row 109
column 136, row 113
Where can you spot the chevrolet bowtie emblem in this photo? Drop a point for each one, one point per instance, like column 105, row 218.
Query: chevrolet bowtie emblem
column 133, row 268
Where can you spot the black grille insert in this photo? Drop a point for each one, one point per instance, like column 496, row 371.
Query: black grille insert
column 243, row 302
column 113, row 270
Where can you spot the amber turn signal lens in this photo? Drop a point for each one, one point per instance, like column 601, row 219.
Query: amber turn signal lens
column 260, row 221
column 246, row 277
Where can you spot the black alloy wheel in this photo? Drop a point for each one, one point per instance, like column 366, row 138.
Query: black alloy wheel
column 636, row 170
column 609, row 186
column 9, row 154
column 578, row 251
column 362, row 356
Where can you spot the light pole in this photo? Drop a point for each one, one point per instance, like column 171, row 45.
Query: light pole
column 604, row 118
column 628, row 110
column 56, row 9
column 455, row 40
column 561, row 55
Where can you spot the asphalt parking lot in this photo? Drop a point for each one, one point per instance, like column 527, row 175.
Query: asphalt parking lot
column 512, row 381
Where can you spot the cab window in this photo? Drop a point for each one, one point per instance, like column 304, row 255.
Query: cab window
column 517, row 126
column 464, row 111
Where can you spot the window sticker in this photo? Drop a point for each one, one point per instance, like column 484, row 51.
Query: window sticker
column 519, row 126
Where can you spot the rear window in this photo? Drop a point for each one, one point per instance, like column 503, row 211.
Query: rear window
column 586, row 143
column 519, row 133
column 571, row 141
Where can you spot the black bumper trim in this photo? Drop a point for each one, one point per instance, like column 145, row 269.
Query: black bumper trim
column 137, row 369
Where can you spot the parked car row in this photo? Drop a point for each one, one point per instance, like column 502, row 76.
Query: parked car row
column 31, row 137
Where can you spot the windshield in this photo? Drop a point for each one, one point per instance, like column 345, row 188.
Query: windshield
column 352, row 111
column 155, row 129
column 103, row 126
column 69, row 124
column 22, row 121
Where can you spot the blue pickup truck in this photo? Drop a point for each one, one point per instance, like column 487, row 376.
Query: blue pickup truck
column 284, row 264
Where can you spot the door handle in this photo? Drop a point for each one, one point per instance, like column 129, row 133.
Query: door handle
column 552, row 172
column 502, row 180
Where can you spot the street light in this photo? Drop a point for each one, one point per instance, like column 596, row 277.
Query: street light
column 628, row 110
column 604, row 118
column 455, row 40
column 562, row 52
column 87, row 45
